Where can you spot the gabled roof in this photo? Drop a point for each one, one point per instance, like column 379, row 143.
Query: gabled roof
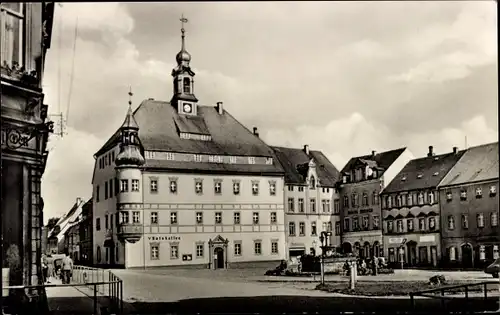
column 478, row 163
column 382, row 160
column 423, row 173
column 67, row 220
column 159, row 126
column 295, row 162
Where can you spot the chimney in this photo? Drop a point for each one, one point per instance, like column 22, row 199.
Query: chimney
column 430, row 151
column 220, row 108
column 255, row 131
column 373, row 153
column 306, row 149
column 455, row 150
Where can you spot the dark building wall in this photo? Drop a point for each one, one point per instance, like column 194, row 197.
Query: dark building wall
column 371, row 209
column 474, row 235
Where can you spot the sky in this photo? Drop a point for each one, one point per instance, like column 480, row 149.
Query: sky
column 345, row 78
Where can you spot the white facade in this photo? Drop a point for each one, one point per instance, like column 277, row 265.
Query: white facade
column 309, row 211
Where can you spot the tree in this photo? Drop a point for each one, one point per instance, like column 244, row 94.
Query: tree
column 52, row 222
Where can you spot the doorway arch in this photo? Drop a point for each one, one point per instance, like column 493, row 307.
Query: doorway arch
column 376, row 250
column 346, row 248
column 219, row 261
column 467, row 255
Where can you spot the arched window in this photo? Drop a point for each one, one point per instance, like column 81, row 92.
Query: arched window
column 186, row 83
column 98, row 254
column 313, row 183
column 420, row 198
column 482, row 252
column 365, row 199
column 346, row 201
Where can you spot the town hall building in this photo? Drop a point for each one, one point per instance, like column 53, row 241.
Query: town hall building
column 181, row 183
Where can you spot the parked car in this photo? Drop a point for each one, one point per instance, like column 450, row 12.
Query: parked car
column 494, row 268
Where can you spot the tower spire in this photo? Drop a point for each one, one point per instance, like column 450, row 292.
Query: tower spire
column 130, row 94
column 183, row 57
column 183, row 20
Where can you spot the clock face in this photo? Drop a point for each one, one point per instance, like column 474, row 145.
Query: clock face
column 187, row 108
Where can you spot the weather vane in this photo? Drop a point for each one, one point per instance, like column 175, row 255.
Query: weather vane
column 183, row 20
column 130, row 96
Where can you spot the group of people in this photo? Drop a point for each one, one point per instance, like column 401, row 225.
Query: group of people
column 50, row 268
column 367, row 266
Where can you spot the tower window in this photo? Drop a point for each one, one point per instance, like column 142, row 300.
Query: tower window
column 186, row 83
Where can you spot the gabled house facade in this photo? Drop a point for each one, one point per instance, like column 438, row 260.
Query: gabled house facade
column 411, row 214
column 57, row 236
column 361, row 181
column 311, row 200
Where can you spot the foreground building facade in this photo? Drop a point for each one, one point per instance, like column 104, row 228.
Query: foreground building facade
column 362, row 180
column 25, row 33
column 468, row 197
column 410, row 211
column 185, row 184
column 311, row 200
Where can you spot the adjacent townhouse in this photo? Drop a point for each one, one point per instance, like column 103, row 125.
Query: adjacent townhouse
column 410, row 211
column 468, row 198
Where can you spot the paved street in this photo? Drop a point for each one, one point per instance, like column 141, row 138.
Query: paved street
column 160, row 291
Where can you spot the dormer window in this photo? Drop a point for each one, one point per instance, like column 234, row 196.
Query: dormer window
column 493, row 190
column 449, row 196
column 420, row 198
column 344, row 179
column 312, row 183
column 436, row 173
column 419, row 176
column 186, row 84
column 403, row 178
column 463, row 194
column 479, row 192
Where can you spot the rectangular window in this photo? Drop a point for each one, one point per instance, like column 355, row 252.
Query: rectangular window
column 155, row 251
column 302, row 229
column 199, row 217
column 390, row 226
column 291, row 204
column 329, row 227
column 153, row 185
column 301, row 188
column 257, row 248
column 326, row 205
column 97, row 191
column 409, row 225
column 494, row 219
column 124, row 185
column 301, row 205
column 174, row 251
column 465, row 221
column 314, row 231
column 251, row 160
column 218, row 187
column 173, row 217
column 313, row 205
column 421, row 224
column 255, row 188
column 218, row 218
column 480, row 220
column 451, row 222
column 98, row 224
column 376, row 222
column 199, row 250
column 274, row 218
column 173, row 186
column 272, row 188
column 125, row 219
column 106, row 190
column 110, row 188
column 106, row 222
column 347, row 225
column 290, row 188
column 236, row 188
column 365, row 222
column 154, row 217
column 291, row 228
column 355, row 223
column 337, row 228
column 237, row 249
column 255, row 217
column 336, row 206
column 111, row 221
column 12, row 34
column 135, row 185
column 237, row 219
column 274, row 247
column 198, row 187
column 136, row 216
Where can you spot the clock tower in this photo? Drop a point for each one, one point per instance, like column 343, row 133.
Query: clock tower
column 183, row 98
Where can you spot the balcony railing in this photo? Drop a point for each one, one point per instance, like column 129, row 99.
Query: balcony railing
column 131, row 232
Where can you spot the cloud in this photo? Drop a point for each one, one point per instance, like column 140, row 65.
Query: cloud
column 344, row 77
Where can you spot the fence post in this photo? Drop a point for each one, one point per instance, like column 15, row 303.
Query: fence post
column 442, row 298
column 412, row 301
column 95, row 299
column 485, row 291
column 121, row 296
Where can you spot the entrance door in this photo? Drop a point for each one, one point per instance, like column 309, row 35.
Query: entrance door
column 434, row 259
column 111, row 255
column 219, row 258
column 412, row 254
column 467, row 256
column 422, row 253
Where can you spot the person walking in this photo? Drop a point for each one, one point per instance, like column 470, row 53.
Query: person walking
column 67, row 268
column 50, row 268
column 44, row 268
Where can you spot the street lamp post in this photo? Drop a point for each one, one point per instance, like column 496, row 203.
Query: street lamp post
column 325, row 246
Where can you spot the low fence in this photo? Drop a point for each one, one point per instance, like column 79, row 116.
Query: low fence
column 102, row 286
column 465, row 294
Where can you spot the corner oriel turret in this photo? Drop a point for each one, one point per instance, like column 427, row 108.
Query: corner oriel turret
column 130, row 152
column 184, row 99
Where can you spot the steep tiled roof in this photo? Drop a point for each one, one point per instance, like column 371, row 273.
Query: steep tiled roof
column 477, row 164
column 423, row 172
column 295, row 163
column 383, row 160
column 160, row 124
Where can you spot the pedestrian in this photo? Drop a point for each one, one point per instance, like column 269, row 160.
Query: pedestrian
column 50, row 267
column 44, row 268
column 66, row 268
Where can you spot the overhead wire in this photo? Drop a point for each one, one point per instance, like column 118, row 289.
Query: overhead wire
column 72, row 73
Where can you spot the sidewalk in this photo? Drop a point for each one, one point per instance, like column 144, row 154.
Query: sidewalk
column 69, row 300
